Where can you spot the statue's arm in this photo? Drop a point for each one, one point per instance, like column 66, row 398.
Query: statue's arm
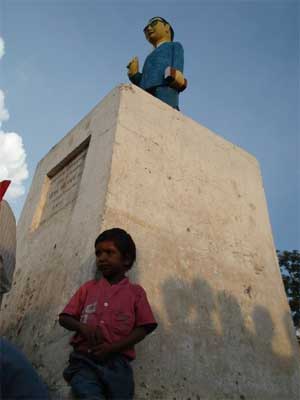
column 136, row 78
column 178, row 56
column 133, row 71
column 174, row 73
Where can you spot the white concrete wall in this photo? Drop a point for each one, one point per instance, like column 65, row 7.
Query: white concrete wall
column 195, row 205
column 197, row 208
column 55, row 257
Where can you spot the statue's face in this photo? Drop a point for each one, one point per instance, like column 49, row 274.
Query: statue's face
column 157, row 32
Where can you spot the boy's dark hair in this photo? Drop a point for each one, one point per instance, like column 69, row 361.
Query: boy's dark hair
column 122, row 240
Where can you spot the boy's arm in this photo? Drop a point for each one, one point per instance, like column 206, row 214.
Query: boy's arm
column 90, row 333
column 103, row 350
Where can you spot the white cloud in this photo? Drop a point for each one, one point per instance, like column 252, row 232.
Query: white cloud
column 13, row 163
column 4, row 115
column 2, row 47
column 12, row 153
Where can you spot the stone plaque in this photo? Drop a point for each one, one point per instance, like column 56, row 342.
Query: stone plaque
column 63, row 185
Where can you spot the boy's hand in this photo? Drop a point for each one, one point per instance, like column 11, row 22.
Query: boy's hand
column 102, row 351
column 91, row 333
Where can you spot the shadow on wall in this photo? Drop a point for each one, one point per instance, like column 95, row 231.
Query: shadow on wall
column 207, row 342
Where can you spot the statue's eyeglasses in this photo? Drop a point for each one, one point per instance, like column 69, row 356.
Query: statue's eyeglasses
column 152, row 24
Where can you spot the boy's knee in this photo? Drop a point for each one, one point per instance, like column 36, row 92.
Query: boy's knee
column 86, row 386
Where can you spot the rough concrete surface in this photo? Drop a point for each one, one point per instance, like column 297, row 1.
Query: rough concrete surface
column 7, row 247
column 195, row 205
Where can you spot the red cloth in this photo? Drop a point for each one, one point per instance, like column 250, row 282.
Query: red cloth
column 3, row 188
column 115, row 309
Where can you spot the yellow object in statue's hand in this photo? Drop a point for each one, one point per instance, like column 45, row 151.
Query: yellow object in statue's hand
column 133, row 66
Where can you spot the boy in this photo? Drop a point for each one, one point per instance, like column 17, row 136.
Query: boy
column 109, row 315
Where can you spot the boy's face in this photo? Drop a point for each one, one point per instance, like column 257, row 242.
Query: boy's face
column 110, row 261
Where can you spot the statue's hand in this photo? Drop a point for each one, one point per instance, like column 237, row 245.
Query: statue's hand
column 133, row 66
column 175, row 79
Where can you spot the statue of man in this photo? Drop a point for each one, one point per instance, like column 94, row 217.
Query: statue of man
column 162, row 73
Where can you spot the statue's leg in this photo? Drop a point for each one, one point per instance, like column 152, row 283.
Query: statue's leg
column 167, row 95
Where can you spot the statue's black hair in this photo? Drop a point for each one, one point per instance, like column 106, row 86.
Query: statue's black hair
column 122, row 240
column 165, row 22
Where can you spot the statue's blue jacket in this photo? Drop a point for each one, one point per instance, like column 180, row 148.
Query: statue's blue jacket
column 168, row 54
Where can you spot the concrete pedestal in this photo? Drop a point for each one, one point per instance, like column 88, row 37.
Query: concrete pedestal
column 195, row 205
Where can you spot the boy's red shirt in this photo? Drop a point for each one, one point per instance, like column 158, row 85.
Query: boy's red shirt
column 115, row 309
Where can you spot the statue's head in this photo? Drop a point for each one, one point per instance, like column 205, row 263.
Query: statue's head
column 158, row 30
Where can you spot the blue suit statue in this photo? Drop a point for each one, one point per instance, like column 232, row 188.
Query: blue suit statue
column 162, row 73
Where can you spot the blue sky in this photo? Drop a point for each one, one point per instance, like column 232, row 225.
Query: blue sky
column 241, row 60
